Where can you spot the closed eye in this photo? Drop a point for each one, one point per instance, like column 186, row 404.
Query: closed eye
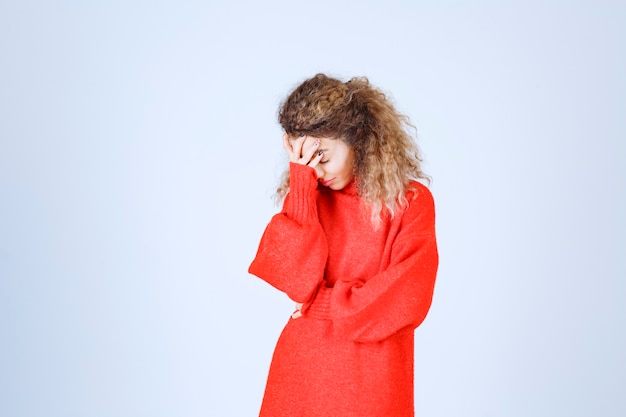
column 324, row 151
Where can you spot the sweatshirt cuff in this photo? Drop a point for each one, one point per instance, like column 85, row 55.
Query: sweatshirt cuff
column 300, row 202
column 320, row 306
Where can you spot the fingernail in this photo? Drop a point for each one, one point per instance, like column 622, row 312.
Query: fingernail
column 317, row 143
column 320, row 152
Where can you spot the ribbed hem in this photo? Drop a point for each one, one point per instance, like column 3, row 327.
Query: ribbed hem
column 320, row 307
column 300, row 203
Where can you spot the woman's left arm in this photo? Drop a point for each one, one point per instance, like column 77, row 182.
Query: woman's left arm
column 397, row 298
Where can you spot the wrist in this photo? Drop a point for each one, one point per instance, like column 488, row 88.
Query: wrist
column 300, row 203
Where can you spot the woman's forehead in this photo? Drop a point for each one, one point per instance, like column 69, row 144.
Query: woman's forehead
column 331, row 142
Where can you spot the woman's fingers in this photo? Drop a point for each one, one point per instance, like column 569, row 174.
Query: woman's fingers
column 303, row 150
column 318, row 155
column 298, row 313
column 315, row 162
column 297, row 145
column 293, row 146
column 310, row 150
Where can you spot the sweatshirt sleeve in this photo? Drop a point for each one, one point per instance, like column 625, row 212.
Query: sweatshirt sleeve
column 293, row 250
column 395, row 299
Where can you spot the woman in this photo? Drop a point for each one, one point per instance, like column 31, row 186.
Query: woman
column 354, row 246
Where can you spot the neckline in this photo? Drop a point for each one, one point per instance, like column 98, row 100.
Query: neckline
column 350, row 189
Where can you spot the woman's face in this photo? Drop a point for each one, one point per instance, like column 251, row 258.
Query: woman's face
column 336, row 168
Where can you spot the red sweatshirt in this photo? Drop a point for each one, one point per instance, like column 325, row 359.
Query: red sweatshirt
column 364, row 291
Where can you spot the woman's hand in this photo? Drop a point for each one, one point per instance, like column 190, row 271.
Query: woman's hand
column 303, row 150
column 298, row 313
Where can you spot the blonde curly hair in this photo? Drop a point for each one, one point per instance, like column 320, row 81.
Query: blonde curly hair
column 386, row 157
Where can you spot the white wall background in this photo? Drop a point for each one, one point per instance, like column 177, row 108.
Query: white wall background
column 139, row 151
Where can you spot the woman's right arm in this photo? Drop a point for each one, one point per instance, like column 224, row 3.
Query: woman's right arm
column 293, row 250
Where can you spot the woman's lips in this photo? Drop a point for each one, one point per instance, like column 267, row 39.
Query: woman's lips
column 328, row 182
